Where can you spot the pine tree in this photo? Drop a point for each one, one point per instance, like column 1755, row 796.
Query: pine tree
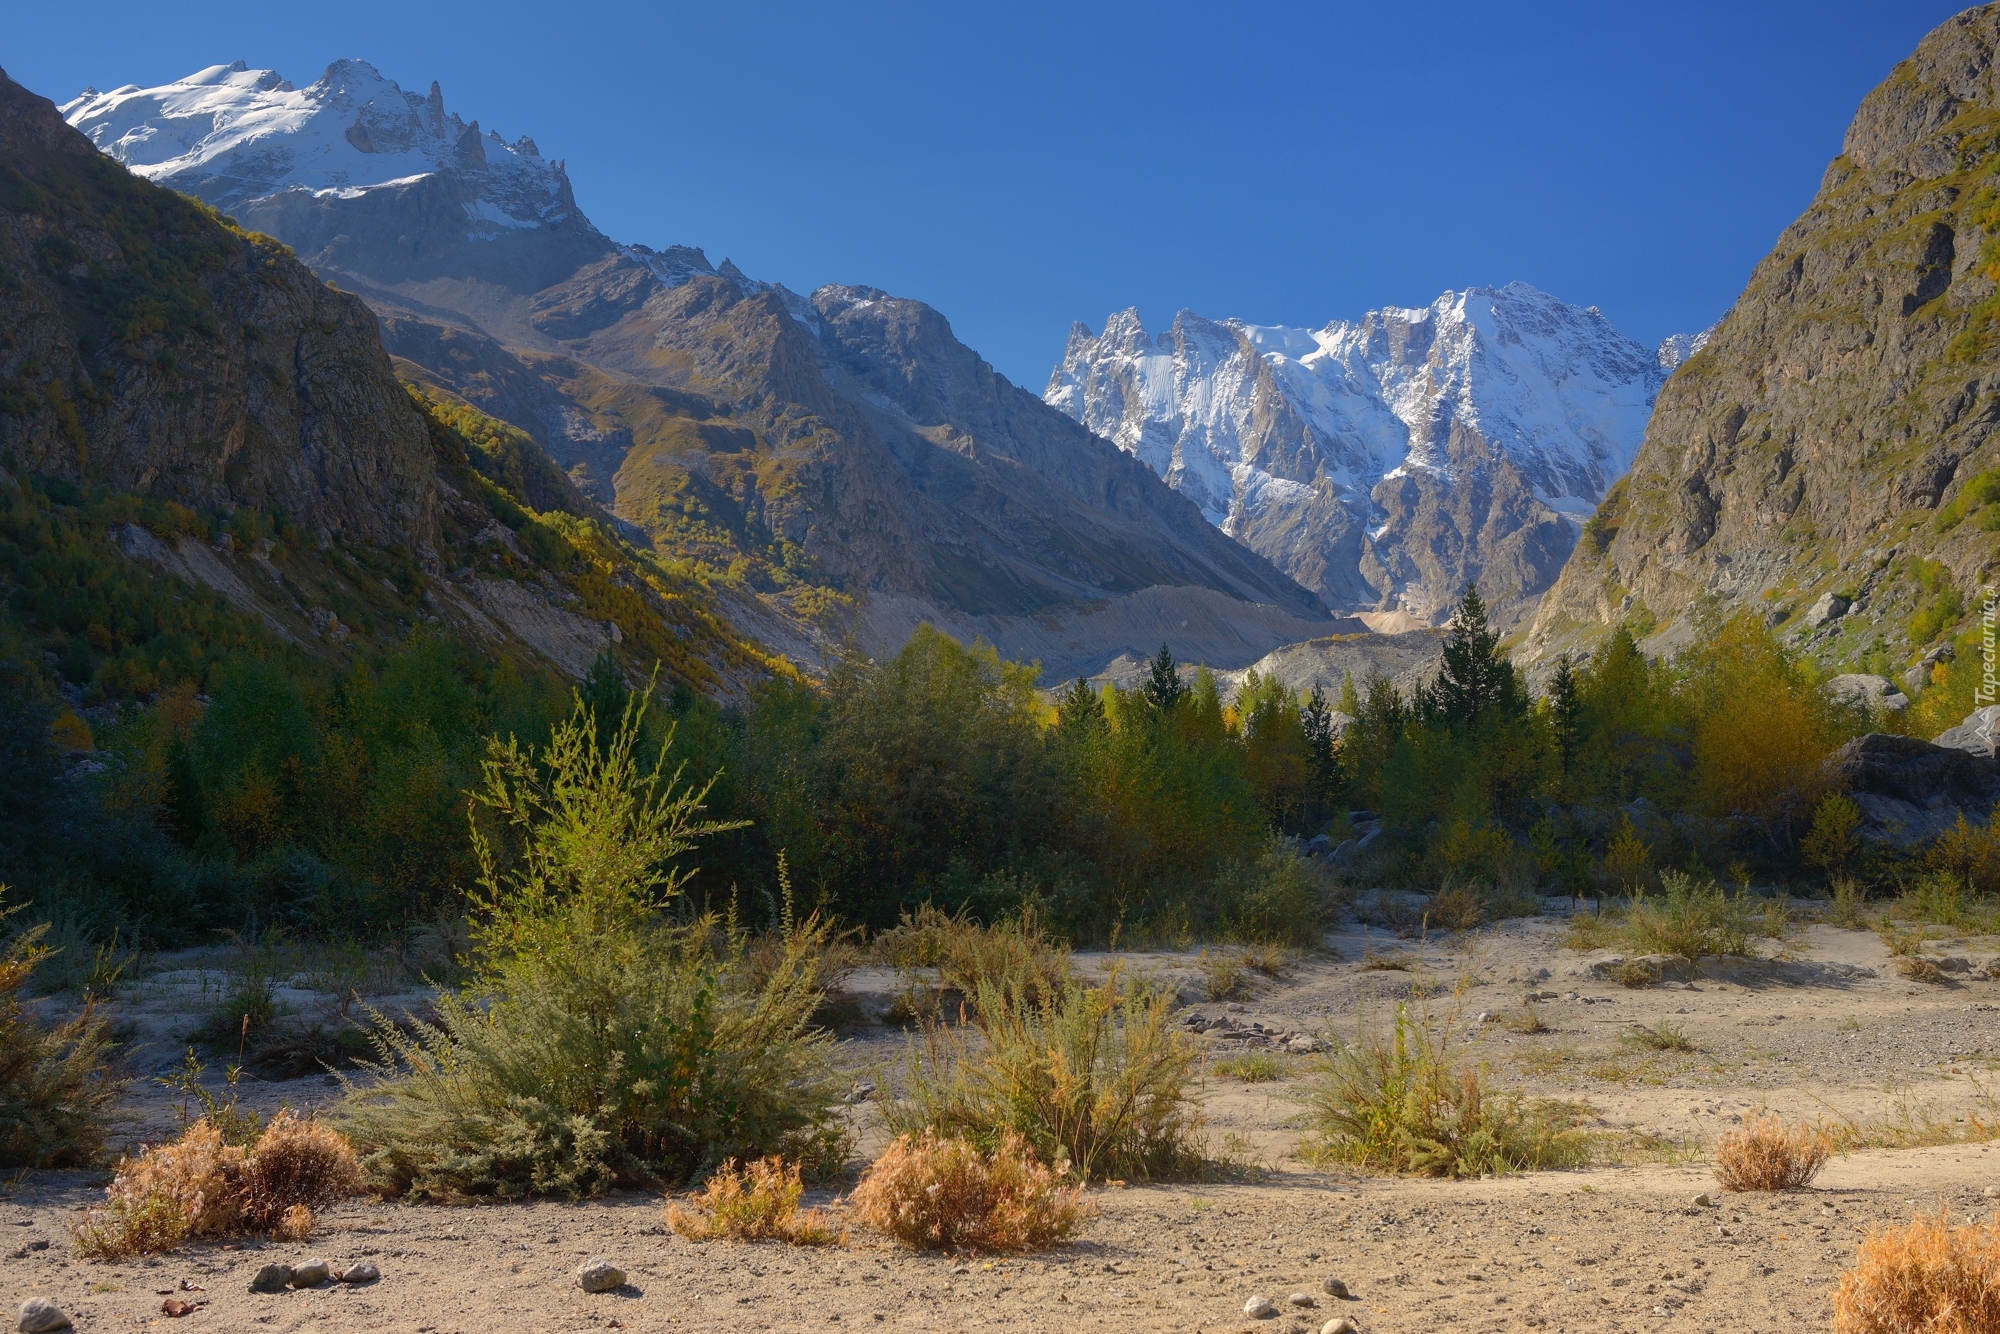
column 1164, row 688
column 1079, row 711
column 604, row 693
column 1565, row 708
column 1473, row 679
column 1350, row 700
column 1316, row 720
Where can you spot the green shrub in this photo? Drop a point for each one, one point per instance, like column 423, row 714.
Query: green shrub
column 1689, row 918
column 1095, row 1078
column 1015, row 957
column 598, row 1045
column 1399, row 1103
column 1280, row 898
column 58, row 1085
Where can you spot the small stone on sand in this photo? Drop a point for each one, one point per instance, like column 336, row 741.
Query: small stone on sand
column 311, row 1274
column 39, row 1315
column 598, row 1274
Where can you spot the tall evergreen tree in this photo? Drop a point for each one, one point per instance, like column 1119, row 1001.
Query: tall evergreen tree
column 1350, row 699
column 604, row 692
column 1473, row 679
column 1164, row 688
column 1565, row 709
column 1079, row 711
column 1316, row 721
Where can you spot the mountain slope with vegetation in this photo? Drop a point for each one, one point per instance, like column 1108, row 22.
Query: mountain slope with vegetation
column 843, row 465
column 1831, row 449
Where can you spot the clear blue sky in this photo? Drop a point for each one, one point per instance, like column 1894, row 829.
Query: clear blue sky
column 1020, row 165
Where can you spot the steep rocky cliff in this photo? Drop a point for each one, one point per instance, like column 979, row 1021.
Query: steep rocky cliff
column 147, row 346
column 1831, row 449
column 844, row 461
column 152, row 352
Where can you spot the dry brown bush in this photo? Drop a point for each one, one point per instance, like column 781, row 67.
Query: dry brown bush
column 296, row 1164
column 947, row 1194
column 757, row 1202
column 202, row 1186
column 1766, row 1154
column 1928, row 1277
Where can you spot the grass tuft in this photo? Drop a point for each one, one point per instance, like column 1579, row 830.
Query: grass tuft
column 757, row 1202
column 1252, row 1067
column 1929, row 1276
column 1663, row 1036
column 1400, row 1103
column 938, row 1193
column 1096, row 1079
column 1766, row 1154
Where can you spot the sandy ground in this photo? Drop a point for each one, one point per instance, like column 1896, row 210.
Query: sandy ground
column 1833, row 1033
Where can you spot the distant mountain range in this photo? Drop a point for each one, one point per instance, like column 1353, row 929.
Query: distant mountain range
column 841, row 463
column 1387, row 462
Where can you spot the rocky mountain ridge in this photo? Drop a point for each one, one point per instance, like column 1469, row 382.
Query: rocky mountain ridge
column 1388, row 461
column 842, row 459
column 171, row 385
column 1829, row 458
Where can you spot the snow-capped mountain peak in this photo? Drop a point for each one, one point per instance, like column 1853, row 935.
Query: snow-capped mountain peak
column 1676, row 348
column 230, row 134
column 1340, row 451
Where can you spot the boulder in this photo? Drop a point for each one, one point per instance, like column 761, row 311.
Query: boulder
column 1876, row 692
column 1830, row 607
column 1909, row 790
column 1975, row 735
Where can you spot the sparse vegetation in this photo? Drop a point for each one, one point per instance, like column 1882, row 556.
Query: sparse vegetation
column 948, row 1193
column 521, row 1086
column 59, row 1083
column 1095, row 1079
column 1928, row 1276
column 1400, row 1102
column 1767, row 1154
column 756, row 1202
column 1664, row 1035
column 201, row 1186
column 1253, row 1067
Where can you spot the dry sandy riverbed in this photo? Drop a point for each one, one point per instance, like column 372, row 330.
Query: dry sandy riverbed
column 1834, row 1033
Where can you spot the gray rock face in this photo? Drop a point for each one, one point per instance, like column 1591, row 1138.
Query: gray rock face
column 1976, row 735
column 1849, row 394
column 1909, row 790
column 261, row 386
column 1877, row 692
column 1827, row 607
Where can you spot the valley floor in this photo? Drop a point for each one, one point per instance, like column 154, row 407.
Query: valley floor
column 1833, row 1034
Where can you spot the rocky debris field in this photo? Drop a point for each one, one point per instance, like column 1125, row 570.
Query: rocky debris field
column 1644, row 1241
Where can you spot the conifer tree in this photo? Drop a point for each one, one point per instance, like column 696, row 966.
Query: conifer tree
column 1565, row 708
column 1079, row 711
column 1164, row 688
column 1473, row 679
column 1350, row 700
column 604, row 693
